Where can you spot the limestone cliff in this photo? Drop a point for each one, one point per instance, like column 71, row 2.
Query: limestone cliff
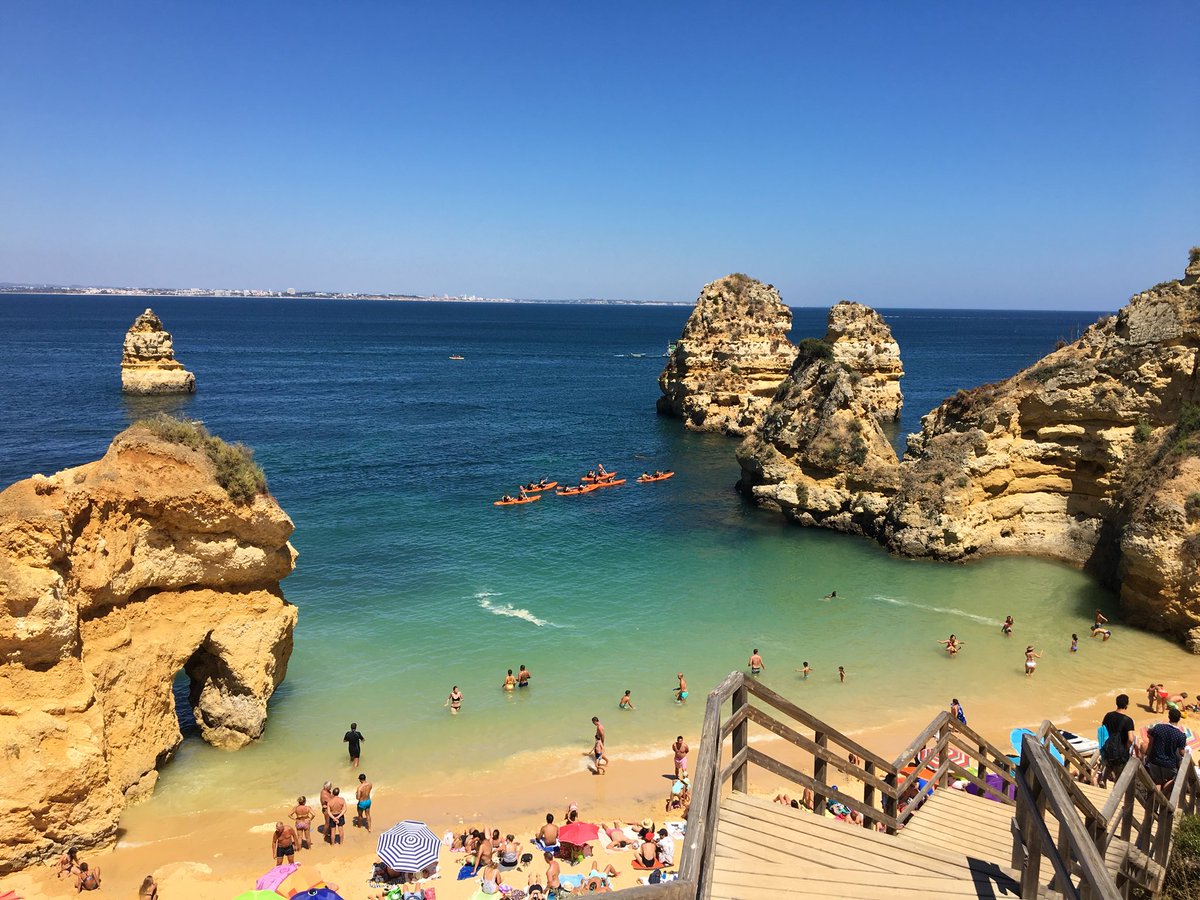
column 148, row 364
column 819, row 455
column 1086, row 456
column 730, row 359
column 863, row 342
column 114, row 577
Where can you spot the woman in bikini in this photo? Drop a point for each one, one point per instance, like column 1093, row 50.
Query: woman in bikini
column 303, row 815
column 952, row 645
column 1031, row 659
column 454, row 701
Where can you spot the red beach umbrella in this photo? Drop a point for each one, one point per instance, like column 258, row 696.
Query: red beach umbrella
column 578, row 833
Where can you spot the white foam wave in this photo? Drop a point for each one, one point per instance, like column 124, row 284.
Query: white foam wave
column 507, row 609
column 946, row 610
column 1084, row 704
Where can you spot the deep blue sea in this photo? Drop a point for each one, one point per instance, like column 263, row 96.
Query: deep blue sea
column 387, row 455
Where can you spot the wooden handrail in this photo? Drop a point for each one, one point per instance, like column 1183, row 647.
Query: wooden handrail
column 790, row 709
column 909, row 753
column 1036, row 765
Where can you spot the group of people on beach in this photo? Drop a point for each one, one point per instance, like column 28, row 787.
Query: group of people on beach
column 1160, row 748
column 290, row 837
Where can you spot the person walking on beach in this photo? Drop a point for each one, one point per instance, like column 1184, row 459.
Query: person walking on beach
column 454, row 701
column 1031, row 659
column 681, row 691
column 1006, row 628
column 598, row 756
column 756, row 663
column 283, row 843
column 680, row 750
column 625, row 702
column 363, row 796
column 337, row 815
column 326, row 796
column 523, row 677
column 354, row 738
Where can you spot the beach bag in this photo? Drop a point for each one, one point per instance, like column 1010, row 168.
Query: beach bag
column 655, row 877
column 1114, row 752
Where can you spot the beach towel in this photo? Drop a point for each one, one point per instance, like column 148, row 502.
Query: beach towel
column 638, row 864
column 571, row 881
column 466, row 872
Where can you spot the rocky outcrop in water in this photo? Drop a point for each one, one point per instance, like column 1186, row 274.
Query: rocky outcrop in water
column 1086, row 456
column 148, row 364
column 819, row 455
column 863, row 342
column 114, row 577
column 730, row 359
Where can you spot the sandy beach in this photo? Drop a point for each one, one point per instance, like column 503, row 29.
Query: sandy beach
column 218, row 853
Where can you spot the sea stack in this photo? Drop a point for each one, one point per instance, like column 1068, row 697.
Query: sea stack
column 730, row 359
column 863, row 342
column 165, row 556
column 1091, row 456
column 148, row 364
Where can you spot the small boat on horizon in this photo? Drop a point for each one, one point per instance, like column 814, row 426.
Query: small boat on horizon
column 456, row 356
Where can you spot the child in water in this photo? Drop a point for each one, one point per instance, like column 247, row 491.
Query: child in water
column 841, row 674
column 1074, row 643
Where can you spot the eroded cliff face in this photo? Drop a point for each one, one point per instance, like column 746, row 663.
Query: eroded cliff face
column 819, row 455
column 1087, row 456
column 863, row 342
column 148, row 364
column 114, row 577
column 730, row 359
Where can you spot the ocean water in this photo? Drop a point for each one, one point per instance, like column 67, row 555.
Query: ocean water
column 387, row 455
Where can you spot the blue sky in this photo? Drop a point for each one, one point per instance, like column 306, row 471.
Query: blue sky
column 896, row 153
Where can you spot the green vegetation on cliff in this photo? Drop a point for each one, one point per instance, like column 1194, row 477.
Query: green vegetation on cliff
column 233, row 464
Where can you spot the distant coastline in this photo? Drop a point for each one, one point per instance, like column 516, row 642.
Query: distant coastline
column 203, row 293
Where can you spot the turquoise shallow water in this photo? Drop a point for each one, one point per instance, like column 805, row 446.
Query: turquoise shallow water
column 387, row 455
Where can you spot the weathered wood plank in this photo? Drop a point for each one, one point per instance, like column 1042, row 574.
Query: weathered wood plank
column 785, row 771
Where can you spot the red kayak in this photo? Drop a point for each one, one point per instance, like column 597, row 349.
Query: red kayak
column 596, row 479
column 517, row 501
column 611, row 483
column 646, row 479
column 574, row 491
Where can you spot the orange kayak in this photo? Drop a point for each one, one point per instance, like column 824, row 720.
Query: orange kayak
column 571, row 492
column 596, row 479
column 646, row 479
column 610, row 483
column 538, row 488
column 517, row 501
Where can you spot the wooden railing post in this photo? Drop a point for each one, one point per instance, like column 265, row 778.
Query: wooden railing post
column 741, row 739
column 891, row 807
column 819, row 769
column 869, row 795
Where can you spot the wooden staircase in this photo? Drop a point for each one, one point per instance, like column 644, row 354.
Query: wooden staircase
column 1040, row 831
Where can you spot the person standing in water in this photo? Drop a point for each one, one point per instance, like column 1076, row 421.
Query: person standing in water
column 1006, row 628
column 841, row 674
column 804, row 670
column 625, row 702
column 681, row 692
column 354, row 739
column 756, row 663
column 1074, row 643
column 952, row 644
column 1031, row 659
column 454, row 701
column 523, row 677
column 510, row 681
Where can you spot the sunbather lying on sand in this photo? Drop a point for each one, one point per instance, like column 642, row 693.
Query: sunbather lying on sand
column 616, row 837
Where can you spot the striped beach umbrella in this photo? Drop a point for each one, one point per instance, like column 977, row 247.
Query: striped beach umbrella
column 409, row 846
column 955, row 756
